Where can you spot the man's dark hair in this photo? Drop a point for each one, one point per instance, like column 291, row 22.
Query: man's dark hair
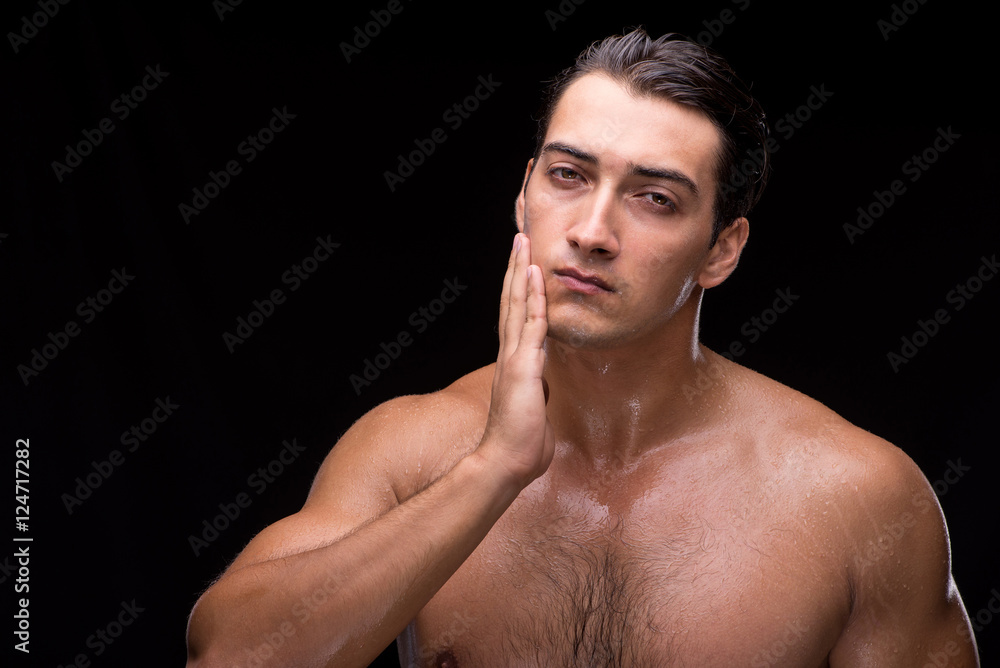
column 685, row 72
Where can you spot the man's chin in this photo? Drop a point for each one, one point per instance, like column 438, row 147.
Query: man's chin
column 581, row 337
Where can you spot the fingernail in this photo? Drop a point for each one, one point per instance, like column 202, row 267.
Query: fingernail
column 517, row 242
column 530, row 267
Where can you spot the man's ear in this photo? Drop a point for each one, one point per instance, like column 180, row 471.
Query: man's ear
column 519, row 203
column 725, row 254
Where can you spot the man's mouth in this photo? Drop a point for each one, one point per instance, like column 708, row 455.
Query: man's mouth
column 582, row 281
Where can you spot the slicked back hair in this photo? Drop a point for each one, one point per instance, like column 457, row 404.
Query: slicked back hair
column 675, row 68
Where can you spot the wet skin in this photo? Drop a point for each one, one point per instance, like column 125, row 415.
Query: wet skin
column 738, row 524
column 766, row 532
column 585, row 501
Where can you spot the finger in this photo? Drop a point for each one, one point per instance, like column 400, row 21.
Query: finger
column 536, row 318
column 517, row 294
column 505, row 293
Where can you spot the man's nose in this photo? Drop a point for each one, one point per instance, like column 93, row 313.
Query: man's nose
column 594, row 230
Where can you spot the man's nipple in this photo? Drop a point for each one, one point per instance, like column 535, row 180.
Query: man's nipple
column 446, row 659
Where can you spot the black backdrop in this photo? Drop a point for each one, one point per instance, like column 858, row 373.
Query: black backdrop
column 223, row 72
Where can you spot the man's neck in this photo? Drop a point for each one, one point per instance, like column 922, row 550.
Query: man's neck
column 623, row 401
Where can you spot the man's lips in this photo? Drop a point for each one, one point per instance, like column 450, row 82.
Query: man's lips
column 582, row 281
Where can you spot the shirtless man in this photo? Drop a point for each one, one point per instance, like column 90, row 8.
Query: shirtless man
column 578, row 503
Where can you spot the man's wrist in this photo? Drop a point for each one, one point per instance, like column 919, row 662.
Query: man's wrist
column 495, row 478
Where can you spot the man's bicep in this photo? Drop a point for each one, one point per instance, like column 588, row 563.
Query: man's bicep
column 949, row 638
column 909, row 633
column 352, row 487
column 907, row 610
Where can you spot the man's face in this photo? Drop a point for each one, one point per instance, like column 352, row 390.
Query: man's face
column 619, row 212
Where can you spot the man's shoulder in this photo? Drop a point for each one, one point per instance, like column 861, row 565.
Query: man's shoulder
column 821, row 458
column 420, row 437
column 466, row 398
column 824, row 448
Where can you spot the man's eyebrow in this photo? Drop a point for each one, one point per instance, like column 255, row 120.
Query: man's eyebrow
column 571, row 150
column 632, row 168
column 665, row 174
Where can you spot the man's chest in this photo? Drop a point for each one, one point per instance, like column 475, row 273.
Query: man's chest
column 652, row 583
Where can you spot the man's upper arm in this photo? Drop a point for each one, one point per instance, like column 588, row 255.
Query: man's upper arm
column 907, row 610
column 354, row 485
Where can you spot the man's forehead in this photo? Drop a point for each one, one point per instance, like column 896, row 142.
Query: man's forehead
column 599, row 117
column 596, row 112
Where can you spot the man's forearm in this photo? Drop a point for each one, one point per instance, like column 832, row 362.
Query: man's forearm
column 342, row 603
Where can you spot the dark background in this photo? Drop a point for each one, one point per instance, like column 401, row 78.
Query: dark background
column 324, row 175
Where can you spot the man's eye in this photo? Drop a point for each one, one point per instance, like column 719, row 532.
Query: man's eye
column 565, row 173
column 660, row 200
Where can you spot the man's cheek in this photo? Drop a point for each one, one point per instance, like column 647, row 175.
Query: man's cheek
column 534, row 253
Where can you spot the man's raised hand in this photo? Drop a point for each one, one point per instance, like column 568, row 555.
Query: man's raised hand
column 519, row 440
